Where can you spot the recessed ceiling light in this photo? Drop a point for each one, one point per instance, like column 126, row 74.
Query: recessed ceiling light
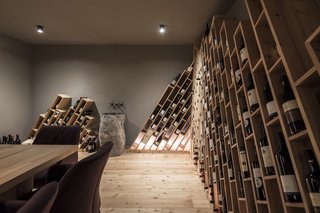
column 162, row 28
column 40, row 29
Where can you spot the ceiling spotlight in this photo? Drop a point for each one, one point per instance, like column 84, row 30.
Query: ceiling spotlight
column 162, row 28
column 40, row 29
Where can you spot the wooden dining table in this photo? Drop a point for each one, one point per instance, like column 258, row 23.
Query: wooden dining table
column 19, row 164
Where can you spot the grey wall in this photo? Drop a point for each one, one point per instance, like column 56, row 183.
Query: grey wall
column 136, row 75
column 239, row 10
column 15, row 87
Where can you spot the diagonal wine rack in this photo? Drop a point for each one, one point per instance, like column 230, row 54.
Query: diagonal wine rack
column 167, row 128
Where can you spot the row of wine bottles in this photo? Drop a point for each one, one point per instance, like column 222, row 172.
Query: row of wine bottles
column 10, row 139
column 289, row 105
column 285, row 170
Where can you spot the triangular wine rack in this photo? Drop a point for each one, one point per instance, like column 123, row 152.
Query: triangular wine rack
column 167, row 128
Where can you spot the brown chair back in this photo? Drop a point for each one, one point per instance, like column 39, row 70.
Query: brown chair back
column 41, row 202
column 79, row 187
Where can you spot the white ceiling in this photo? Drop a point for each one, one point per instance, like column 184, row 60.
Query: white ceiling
column 108, row 21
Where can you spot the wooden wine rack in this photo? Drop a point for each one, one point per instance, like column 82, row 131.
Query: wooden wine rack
column 62, row 113
column 277, row 44
column 167, row 128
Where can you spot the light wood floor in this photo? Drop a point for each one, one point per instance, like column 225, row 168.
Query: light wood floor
column 152, row 182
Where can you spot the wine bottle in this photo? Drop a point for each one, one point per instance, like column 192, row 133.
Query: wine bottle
column 10, row 139
column 290, row 107
column 17, row 140
column 230, row 167
column 313, row 180
column 158, row 139
column 237, row 74
column 215, row 86
column 246, row 121
column 260, row 193
column 92, row 146
column 243, row 159
column 287, row 177
column 252, row 95
column 266, row 154
column 241, row 190
column 223, row 153
column 238, row 112
column 4, row 140
column 225, row 209
column 218, row 116
column 215, row 157
column 221, row 64
column 243, row 51
column 226, row 128
column 270, row 104
column 232, row 135
column 219, row 194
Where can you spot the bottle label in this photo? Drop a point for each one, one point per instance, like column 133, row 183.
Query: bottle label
column 184, row 109
column 258, row 182
column 246, row 118
column 266, row 155
column 289, row 183
column 243, row 54
column 243, row 160
column 162, row 112
column 238, row 75
column 257, row 177
column 257, row 172
column 214, row 175
column 239, row 112
column 290, row 105
column 165, row 119
column 182, row 91
column 211, row 143
column 218, row 66
column 232, row 76
column 252, row 96
column 226, row 129
column 174, row 105
column 230, row 173
column 271, row 107
column 315, row 199
column 175, row 123
column 216, row 158
column 154, row 126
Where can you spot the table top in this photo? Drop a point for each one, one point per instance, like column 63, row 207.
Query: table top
column 21, row 162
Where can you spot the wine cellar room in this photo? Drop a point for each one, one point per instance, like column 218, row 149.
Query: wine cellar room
column 210, row 105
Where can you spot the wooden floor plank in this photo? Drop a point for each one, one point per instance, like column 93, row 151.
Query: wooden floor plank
column 152, row 182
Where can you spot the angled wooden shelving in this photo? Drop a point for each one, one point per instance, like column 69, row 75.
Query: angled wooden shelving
column 167, row 128
column 266, row 48
column 61, row 113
